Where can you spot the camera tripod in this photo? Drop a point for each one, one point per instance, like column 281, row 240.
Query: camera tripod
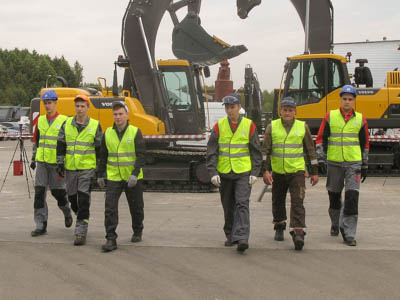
column 23, row 158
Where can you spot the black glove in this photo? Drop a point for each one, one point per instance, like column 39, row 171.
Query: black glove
column 363, row 175
column 33, row 165
column 322, row 167
column 60, row 170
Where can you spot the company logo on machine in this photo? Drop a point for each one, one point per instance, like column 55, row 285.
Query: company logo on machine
column 106, row 104
column 367, row 91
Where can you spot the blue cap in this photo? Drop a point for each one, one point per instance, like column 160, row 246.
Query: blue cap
column 231, row 99
column 49, row 95
column 348, row 89
column 288, row 101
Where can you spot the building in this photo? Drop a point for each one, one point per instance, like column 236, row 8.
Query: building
column 383, row 56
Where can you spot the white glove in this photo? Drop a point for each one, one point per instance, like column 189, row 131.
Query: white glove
column 252, row 179
column 216, row 180
column 132, row 181
column 101, row 182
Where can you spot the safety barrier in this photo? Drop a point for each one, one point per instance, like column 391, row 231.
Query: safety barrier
column 199, row 137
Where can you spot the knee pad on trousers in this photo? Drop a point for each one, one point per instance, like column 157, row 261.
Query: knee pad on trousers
column 351, row 203
column 61, row 196
column 84, row 204
column 334, row 200
column 40, row 193
column 73, row 199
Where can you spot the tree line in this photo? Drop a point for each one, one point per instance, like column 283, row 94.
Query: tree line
column 23, row 74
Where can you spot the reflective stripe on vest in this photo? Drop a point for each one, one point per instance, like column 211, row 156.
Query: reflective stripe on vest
column 234, row 151
column 344, row 143
column 46, row 151
column 121, row 154
column 81, row 154
column 287, row 149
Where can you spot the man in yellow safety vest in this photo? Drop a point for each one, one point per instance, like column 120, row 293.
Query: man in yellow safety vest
column 233, row 161
column 122, row 157
column 45, row 163
column 286, row 142
column 343, row 143
column 78, row 147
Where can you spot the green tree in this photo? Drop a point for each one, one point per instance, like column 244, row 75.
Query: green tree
column 24, row 73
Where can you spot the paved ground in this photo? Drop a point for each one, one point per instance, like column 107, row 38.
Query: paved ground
column 182, row 255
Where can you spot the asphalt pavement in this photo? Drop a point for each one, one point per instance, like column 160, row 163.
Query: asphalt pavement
column 182, row 255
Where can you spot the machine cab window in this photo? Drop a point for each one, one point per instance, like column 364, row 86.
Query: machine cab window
column 178, row 90
column 306, row 81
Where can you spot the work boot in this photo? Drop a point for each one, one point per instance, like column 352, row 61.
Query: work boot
column 110, row 245
column 228, row 243
column 136, row 238
column 298, row 238
column 334, row 230
column 67, row 215
column 242, row 246
column 350, row 241
column 80, row 240
column 68, row 221
column 279, row 228
column 42, row 231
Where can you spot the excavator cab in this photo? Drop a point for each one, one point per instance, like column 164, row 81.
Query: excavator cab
column 185, row 98
column 313, row 80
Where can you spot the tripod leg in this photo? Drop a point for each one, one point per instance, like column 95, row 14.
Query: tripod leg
column 26, row 177
column 8, row 168
column 27, row 160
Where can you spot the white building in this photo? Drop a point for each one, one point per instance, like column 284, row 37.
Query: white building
column 383, row 56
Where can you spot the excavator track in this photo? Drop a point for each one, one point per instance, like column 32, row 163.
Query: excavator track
column 194, row 156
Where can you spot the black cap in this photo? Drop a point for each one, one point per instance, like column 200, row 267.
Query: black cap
column 119, row 104
column 288, row 101
column 231, row 99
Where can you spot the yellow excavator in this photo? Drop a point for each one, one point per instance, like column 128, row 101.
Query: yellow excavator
column 315, row 78
column 165, row 98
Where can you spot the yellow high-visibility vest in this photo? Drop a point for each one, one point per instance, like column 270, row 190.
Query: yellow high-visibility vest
column 234, row 151
column 287, row 149
column 81, row 154
column 344, row 143
column 46, row 152
column 121, row 154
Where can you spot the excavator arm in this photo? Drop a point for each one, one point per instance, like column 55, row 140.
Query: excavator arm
column 190, row 42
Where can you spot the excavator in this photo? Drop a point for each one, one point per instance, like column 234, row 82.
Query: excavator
column 165, row 97
column 315, row 78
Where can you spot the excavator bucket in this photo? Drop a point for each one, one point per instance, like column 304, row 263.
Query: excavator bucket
column 191, row 42
column 244, row 7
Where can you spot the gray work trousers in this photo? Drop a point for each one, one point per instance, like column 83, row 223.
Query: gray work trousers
column 46, row 178
column 78, row 188
column 135, row 201
column 344, row 213
column 235, row 194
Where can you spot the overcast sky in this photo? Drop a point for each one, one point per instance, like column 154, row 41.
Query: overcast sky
column 90, row 31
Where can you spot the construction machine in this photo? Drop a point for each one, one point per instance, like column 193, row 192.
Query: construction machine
column 315, row 78
column 165, row 97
